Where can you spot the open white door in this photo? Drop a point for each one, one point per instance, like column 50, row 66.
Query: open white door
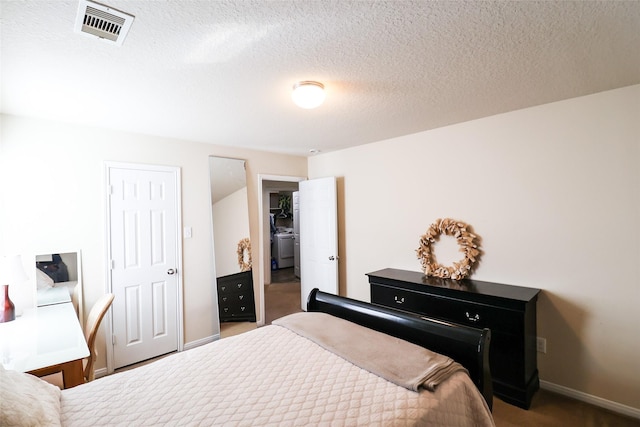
column 318, row 237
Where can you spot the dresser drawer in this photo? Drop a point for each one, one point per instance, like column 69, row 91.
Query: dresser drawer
column 235, row 298
column 235, row 309
column 476, row 315
column 400, row 299
column 456, row 311
column 234, row 287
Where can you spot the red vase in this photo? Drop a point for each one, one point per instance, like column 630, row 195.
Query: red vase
column 7, row 309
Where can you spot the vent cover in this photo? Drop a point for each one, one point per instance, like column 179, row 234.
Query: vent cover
column 101, row 21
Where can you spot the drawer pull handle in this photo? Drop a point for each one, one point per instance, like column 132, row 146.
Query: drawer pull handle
column 472, row 318
column 399, row 300
column 223, row 288
column 240, row 296
column 242, row 308
column 239, row 285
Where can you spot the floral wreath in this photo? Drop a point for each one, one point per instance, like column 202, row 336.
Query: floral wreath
column 244, row 247
column 459, row 270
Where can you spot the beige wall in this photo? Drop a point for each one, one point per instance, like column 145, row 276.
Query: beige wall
column 553, row 192
column 230, row 225
column 52, row 198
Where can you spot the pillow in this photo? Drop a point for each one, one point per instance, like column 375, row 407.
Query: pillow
column 26, row 400
column 42, row 280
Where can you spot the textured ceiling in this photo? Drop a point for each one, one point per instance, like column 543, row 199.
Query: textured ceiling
column 221, row 72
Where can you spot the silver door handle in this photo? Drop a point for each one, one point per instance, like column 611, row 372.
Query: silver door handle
column 171, row 272
column 331, row 258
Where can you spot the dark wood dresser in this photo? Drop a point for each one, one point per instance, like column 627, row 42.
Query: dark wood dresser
column 509, row 311
column 236, row 302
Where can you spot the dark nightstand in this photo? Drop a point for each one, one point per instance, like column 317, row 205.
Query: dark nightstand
column 236, row 302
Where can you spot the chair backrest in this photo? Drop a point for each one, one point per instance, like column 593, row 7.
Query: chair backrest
column 96, row 315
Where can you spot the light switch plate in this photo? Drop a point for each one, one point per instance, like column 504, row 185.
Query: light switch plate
column 541, row 345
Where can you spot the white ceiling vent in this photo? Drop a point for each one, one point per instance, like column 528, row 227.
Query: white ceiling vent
column 101, row 21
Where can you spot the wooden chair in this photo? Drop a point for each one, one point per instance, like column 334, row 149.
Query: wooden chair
column 94, row 319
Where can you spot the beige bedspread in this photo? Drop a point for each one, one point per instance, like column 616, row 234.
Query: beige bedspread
column 401, row 362
column 267, row 377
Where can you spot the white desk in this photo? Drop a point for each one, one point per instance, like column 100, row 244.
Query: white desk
column 43, row 341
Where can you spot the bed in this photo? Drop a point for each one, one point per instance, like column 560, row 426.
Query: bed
column 310, row 368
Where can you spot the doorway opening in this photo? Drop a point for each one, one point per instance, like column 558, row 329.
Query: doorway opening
column 282, row 297
column 280, row 247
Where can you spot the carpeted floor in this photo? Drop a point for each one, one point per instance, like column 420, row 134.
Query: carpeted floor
column 282, row 296
column 550, row 409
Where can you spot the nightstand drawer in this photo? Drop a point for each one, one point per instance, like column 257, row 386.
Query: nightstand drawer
column 235, row 309
column 234, row 298
column 234, row 287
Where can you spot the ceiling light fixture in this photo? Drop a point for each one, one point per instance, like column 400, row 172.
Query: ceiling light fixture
column 308, row 94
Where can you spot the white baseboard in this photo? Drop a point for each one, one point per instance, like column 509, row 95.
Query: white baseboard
column 593, row 400
column 202, row 341
column 102, row 372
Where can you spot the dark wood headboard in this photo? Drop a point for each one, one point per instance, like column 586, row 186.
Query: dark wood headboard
column 467, row 346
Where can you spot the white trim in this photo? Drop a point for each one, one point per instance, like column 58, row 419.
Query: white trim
column 179, row 243
column 201, row 341
column 99, row 373
column 261, row 265
column 212, row 265
column 108, row 318
column 593, row 400
column 178, row 205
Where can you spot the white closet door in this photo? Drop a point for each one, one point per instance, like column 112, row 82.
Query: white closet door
column 144, row 279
